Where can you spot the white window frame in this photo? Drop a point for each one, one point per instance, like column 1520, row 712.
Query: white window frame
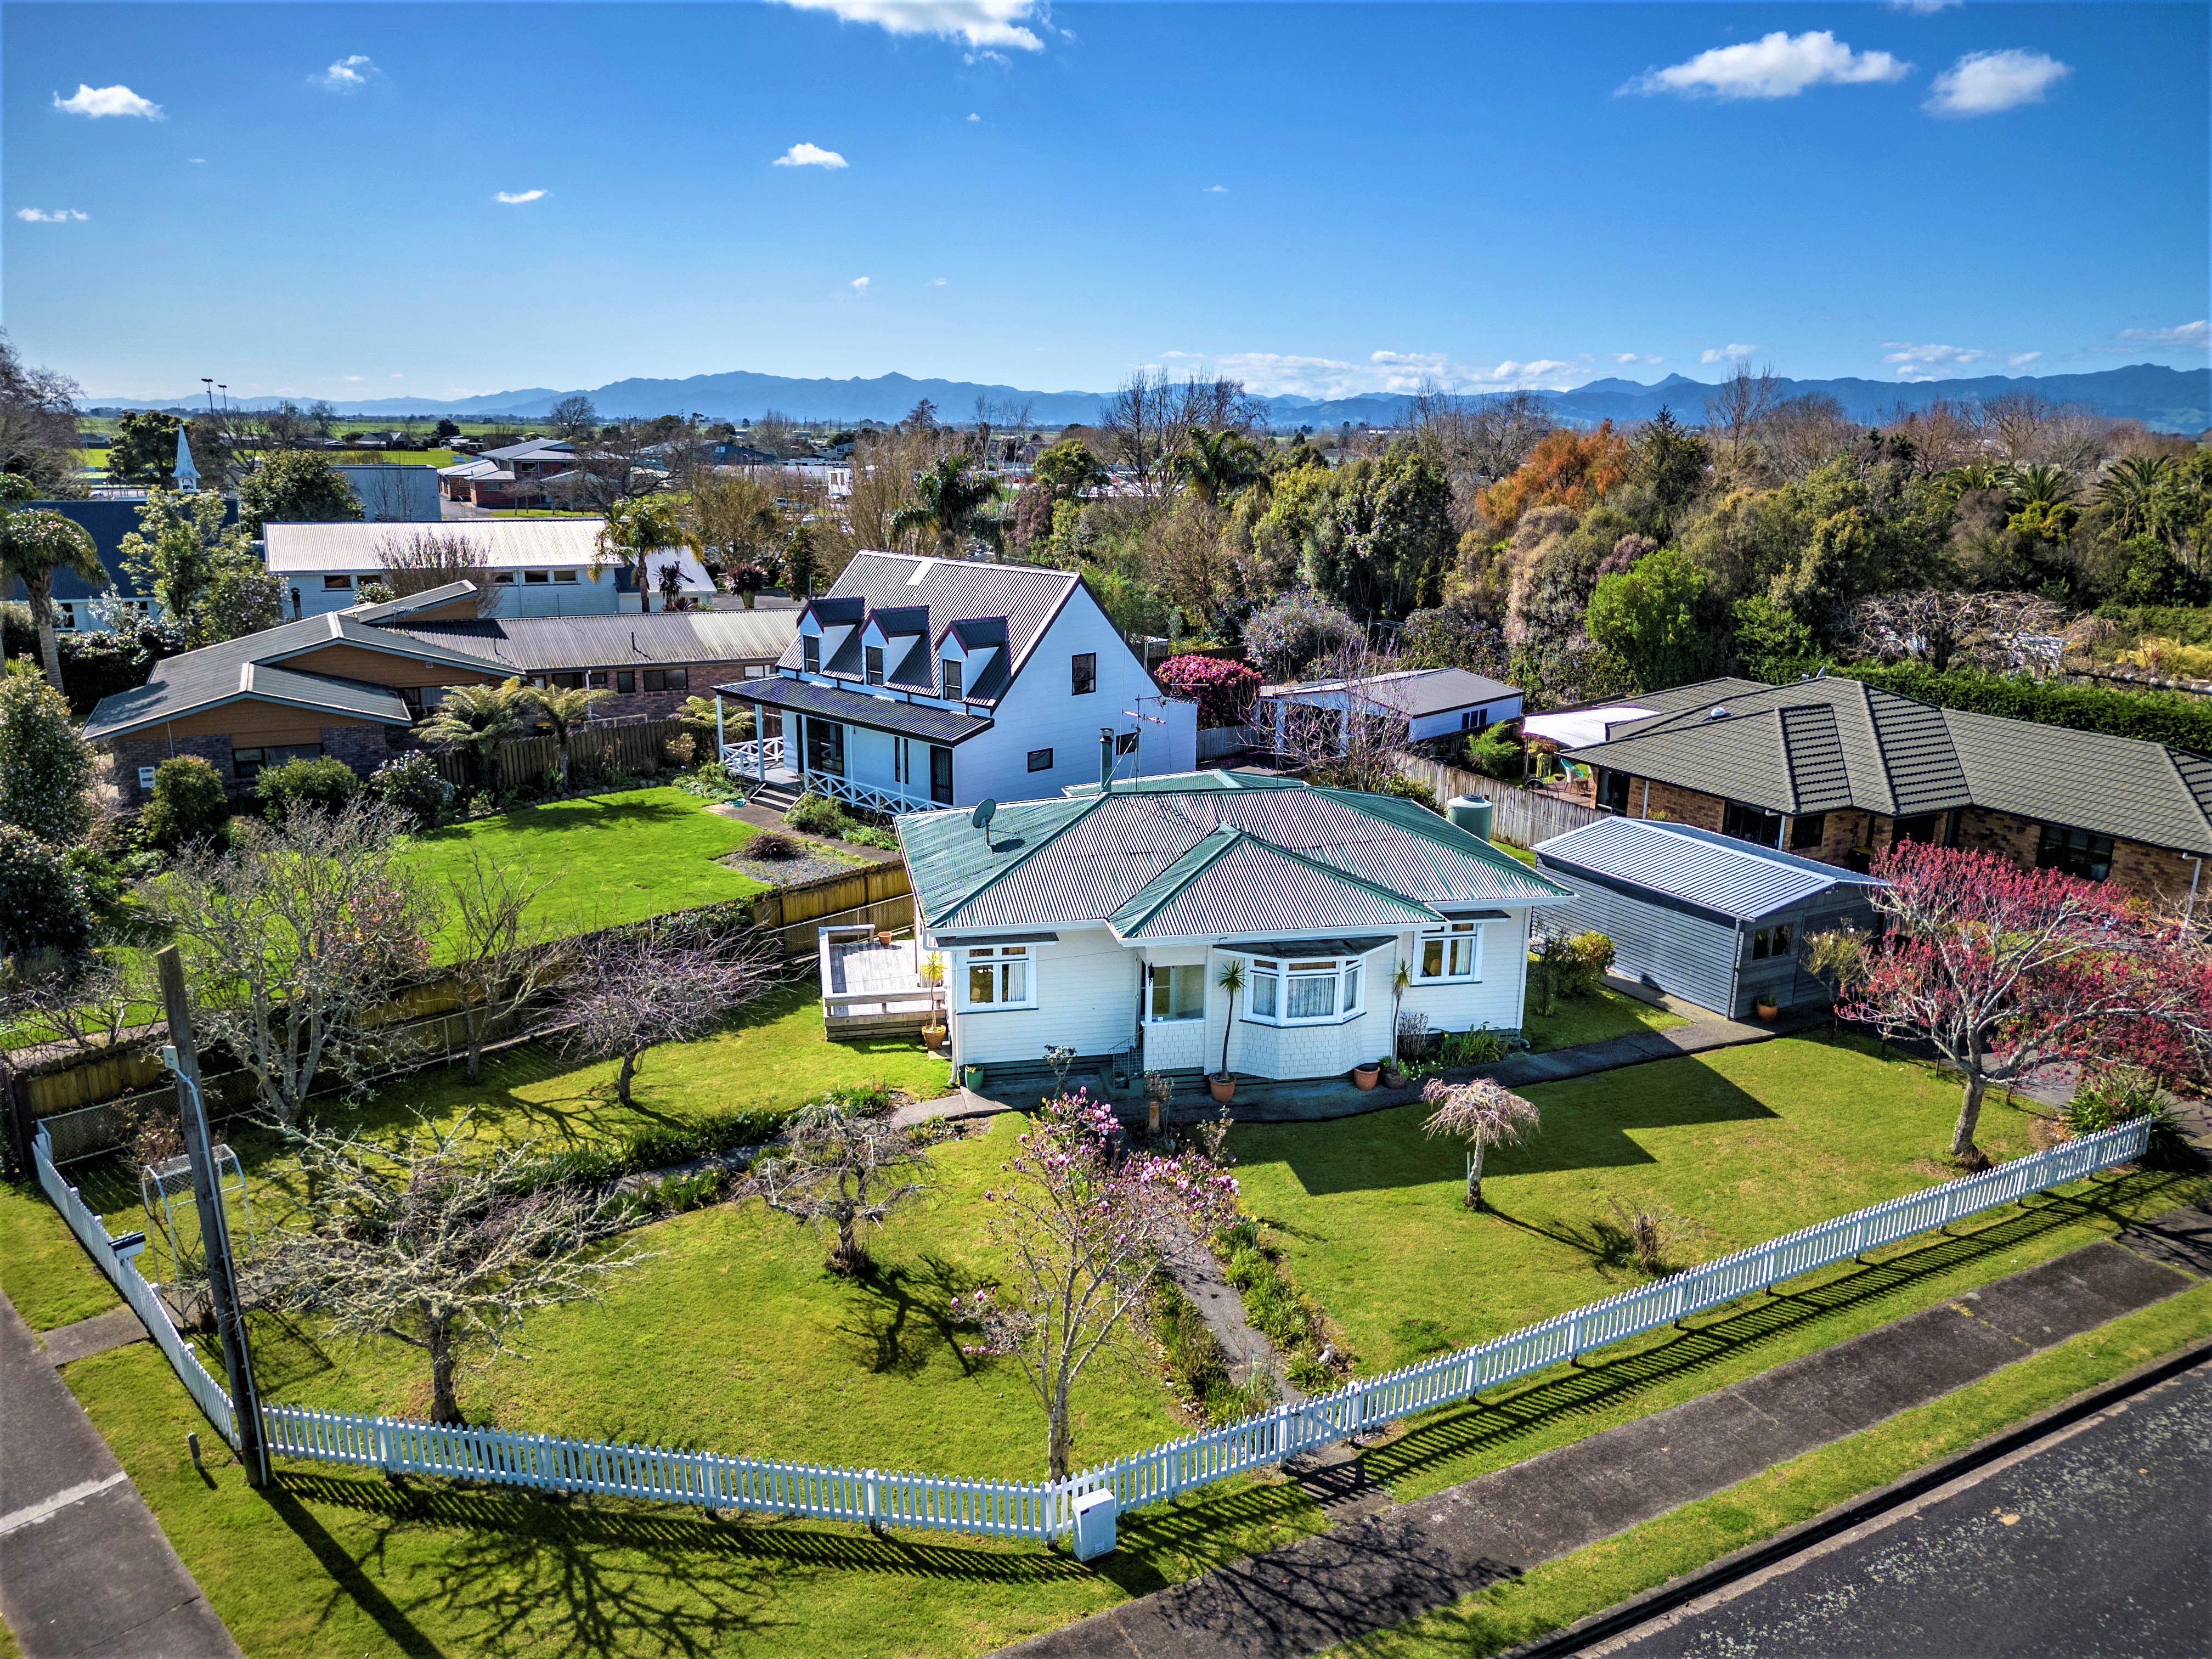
column 1451, row 936
column 1152, row 970
column 1346, row 975
column 999, row 959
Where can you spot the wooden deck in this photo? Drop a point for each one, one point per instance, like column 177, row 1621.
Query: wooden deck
column 870, row 987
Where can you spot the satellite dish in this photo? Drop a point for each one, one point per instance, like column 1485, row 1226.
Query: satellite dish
column 981, row 817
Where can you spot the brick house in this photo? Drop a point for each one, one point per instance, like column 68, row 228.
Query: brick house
column 352, row 683
column 1837, row 770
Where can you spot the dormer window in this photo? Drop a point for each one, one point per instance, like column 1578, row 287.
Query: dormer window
column 874, row 660
column 810, row 653
column 951, row 669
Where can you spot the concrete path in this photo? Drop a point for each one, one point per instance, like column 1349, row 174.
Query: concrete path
column 85, row 1569
column 2095, row 1542
column 94, row 1335
column 1394, row 1565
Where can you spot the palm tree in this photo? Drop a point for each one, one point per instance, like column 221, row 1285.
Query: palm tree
column 564, row 708
column 948, row 505
column 2040, row 486
column 35, row 547
column 1212, row 465
column 640, row 527
column 479, row 718
column 2135, row 493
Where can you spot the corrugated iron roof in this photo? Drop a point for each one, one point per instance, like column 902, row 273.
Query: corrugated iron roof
column 910, row 720
column 504, row 544
column 535, row 645
column 1233, row 882
column 1715, row 872
column 1412, row 692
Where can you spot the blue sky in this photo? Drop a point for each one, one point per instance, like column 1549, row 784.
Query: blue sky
column 1323, row 198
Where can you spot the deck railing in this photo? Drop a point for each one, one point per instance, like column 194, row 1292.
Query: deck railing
column 754, row 756
column 1042, row 1509
column 873, row 797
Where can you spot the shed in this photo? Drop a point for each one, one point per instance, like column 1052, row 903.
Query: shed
column 1703, row 916
column 1434, row 702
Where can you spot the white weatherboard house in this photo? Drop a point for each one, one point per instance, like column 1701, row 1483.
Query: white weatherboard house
column 919, row 683
column 537, row 566
column 1103, row 920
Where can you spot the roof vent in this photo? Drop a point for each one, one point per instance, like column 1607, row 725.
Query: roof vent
column 1717, row 712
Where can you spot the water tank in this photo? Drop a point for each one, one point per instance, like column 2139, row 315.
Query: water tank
column 1471, row 813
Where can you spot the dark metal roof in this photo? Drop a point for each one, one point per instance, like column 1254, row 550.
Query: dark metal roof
column 1414, row 693
column 1714, row 872
column 392, row 611
column 1821, row 745
column 1086, row 856
column 1293, row 948
column 906, row 719
column 537, row 645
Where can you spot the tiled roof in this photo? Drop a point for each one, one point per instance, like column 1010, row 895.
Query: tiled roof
column 1821, row 745
column 1088, row 856
column 1718, row 873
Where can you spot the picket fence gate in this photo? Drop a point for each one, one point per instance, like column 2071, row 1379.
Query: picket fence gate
column 1041, row 1510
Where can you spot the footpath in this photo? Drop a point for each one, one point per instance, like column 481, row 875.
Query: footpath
column 1390, row 1566
column 85, row 1569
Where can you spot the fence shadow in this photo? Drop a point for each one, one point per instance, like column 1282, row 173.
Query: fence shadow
column 1456, row 1432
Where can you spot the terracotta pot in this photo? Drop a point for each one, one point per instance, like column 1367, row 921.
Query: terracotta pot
column 932, row 1037
column 1221, row 1088
column 1765, row 1011
column 1365, row 1076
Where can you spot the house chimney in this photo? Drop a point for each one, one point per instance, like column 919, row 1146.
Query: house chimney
column 1105, row 760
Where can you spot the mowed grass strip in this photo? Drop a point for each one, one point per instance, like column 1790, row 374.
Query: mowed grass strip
column 1588, row 1581
column 1598, row 1017
column 44, row 1271
column 607, row 859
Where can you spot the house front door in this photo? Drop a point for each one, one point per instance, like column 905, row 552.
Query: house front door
column 825, row 746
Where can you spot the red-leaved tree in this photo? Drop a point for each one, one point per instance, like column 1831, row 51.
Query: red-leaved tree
column 1222, row 689
column 1086, row 1226
column 2005, row 971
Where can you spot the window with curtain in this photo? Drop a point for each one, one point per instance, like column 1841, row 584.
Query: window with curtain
column 999, row 976
column 1302, row 992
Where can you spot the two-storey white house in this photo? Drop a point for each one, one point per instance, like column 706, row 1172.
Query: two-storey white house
column 1103, row 920
column 919, row 683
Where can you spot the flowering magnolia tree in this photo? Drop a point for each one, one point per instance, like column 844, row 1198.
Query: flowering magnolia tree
column 2005, row 971
column 1483, row 1113
column 1223, row 690
column 1086, row 1226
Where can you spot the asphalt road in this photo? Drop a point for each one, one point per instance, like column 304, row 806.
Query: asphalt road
column 2095, row 1542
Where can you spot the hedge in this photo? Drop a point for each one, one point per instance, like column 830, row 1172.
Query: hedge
column 2167, row 717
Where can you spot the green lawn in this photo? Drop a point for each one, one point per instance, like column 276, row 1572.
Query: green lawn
column 1736, row 1146
column 1598, row 1017
column 610, row 859
column 1590, row 1580
column 44, row 1271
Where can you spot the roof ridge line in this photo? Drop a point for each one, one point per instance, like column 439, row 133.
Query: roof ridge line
column 1230, row 834
column 1488, row 854
column 1355, row 878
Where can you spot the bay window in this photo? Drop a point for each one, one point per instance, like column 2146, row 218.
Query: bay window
column 1452, row 952
column 998, row 977
column 1303, row 991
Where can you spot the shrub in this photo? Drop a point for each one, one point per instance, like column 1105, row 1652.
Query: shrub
column 867, row 834
column 45, row 767
column 1493, row 752
column 322, row 784
column 2119, row 1094
column 1290, row 632
column 414, row 784
column 771, row 844
column 189, row 803
column 1647, row 1239
column 818, row 815
column 681, row 751
column 1222, row 689
column 1579, row 967
column 2168, row 717
column 43, row 904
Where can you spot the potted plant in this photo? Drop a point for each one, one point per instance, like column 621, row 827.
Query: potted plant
column 971, row 1077
column 1222, row 1085
column 1765, row 1007
column 1364, row 1076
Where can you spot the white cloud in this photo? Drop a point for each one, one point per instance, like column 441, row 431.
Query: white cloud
column 517, row 197
column 2194, row 336
column 981, row 23
column 859, row 285
column 1288, row 374
column 1216, row 190
column 58, row 217
column 107, row 100
column 934, row 282
column 1924, row 7
column 351, row 377
column 1986, row 83
column 973, row 116
column 1624, row 357
column 2022, row 359
column 199, row 160
column 1905, row 352
column 1778, row 65
column 1722, row 354
column 810, row 156
column 347, row 74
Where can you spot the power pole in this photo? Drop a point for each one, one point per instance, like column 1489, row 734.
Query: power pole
column 183, row 1058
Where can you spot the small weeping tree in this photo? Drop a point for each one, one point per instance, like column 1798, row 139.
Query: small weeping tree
column 842, row 1169
column 1483, row 1113
column 667, row 981
column 1086, row 1227
column 435, row 1244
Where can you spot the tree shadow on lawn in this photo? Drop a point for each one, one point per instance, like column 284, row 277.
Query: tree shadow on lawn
column 1455, row 1432
column 1387, row 1149
column 902, row 1314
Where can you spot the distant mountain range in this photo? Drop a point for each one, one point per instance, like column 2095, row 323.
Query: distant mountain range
column 2169, row 400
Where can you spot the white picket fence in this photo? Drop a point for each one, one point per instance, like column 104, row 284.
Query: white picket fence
column 1042, row 1509
column 92, row 1232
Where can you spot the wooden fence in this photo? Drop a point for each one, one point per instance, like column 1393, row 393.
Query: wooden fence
column 1523, row 816
column 636, row 748
column 879, row 895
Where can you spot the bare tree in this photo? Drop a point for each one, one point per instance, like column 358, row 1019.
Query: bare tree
column 295, row 935
column 1483, row 1113
column 1739, row 403
column 573, row 417
column 38, row 423
column 420, row 560
column 1346, row 730
column 2026, row 428
column 93, row 1007
column 502, row 961
column 1133, row 422
column 842, row 1169
column 437, row 1244
column 1935, row 625
column 1800, row 434
column 1478, row 438
column 658, row 982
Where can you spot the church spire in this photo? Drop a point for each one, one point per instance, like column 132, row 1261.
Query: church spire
column 188, row 476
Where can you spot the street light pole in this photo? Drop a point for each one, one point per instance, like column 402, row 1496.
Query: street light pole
column 183, row 1059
